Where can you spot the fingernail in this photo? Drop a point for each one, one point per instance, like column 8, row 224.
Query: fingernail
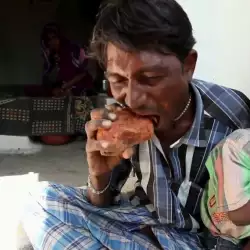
column 106, row 123
column 107, row 107
column 112, row 116
column 128, row 153
column 104, row 144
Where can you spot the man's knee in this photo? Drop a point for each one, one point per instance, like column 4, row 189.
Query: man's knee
column 57, row 192
column 43, row 189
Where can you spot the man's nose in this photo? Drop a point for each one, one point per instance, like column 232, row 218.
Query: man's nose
column 134, row 97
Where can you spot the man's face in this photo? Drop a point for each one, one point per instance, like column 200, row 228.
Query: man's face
column 151, row 84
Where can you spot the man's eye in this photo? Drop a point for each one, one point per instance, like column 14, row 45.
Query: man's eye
column 156, row 77
column 117, row 81
column 151, row 80
column 152, row 77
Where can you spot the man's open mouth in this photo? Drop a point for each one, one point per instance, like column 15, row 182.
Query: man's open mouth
column 155, row 119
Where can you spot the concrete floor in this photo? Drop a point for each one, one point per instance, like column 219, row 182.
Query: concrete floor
column 62, row 164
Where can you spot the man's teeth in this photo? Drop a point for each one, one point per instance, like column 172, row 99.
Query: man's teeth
column 155, row 120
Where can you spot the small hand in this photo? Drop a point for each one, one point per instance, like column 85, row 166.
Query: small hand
column 67, row 85
column 59, row 92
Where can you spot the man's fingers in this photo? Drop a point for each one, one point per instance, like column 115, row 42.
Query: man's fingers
column 128, row 153
column 108, row 149
column 105, row 113
column 104, row 147
column 100, row 118
column 92, row 126
column 98, row 114
column 113, row 107
column 105, row 153
column 93, row 146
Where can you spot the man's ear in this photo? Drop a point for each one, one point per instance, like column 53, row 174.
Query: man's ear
column 189, row 64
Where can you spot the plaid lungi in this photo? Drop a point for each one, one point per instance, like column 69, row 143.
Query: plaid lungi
column 60, row 217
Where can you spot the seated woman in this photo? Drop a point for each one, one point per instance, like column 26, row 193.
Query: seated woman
column 65, row 64
column 64, row 69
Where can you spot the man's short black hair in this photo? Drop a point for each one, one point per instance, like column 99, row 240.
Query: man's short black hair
column 142, row 25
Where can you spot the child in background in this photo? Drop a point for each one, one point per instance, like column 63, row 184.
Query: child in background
column 225, row 206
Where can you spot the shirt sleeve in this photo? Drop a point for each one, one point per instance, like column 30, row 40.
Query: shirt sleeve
column 235, row 171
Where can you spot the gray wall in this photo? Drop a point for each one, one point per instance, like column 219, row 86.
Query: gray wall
column 21, row 24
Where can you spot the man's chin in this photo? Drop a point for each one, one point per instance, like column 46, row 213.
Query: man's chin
column 163, row 128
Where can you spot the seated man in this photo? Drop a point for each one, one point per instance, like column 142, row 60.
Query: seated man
column 225, row 204
column 146, row 48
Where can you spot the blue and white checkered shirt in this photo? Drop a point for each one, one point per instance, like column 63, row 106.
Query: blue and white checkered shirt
column 171, row 186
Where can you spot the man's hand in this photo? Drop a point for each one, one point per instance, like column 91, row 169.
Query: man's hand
column 102, row 156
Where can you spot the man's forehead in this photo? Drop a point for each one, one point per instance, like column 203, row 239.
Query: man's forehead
column 116, row 57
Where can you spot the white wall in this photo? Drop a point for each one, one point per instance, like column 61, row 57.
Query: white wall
column 221, row 28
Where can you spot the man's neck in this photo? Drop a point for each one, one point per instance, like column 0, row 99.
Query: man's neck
column 177, row 129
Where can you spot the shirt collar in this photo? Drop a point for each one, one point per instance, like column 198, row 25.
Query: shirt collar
column 196, row 135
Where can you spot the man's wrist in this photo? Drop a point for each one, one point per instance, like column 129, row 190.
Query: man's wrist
column 100, row 182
